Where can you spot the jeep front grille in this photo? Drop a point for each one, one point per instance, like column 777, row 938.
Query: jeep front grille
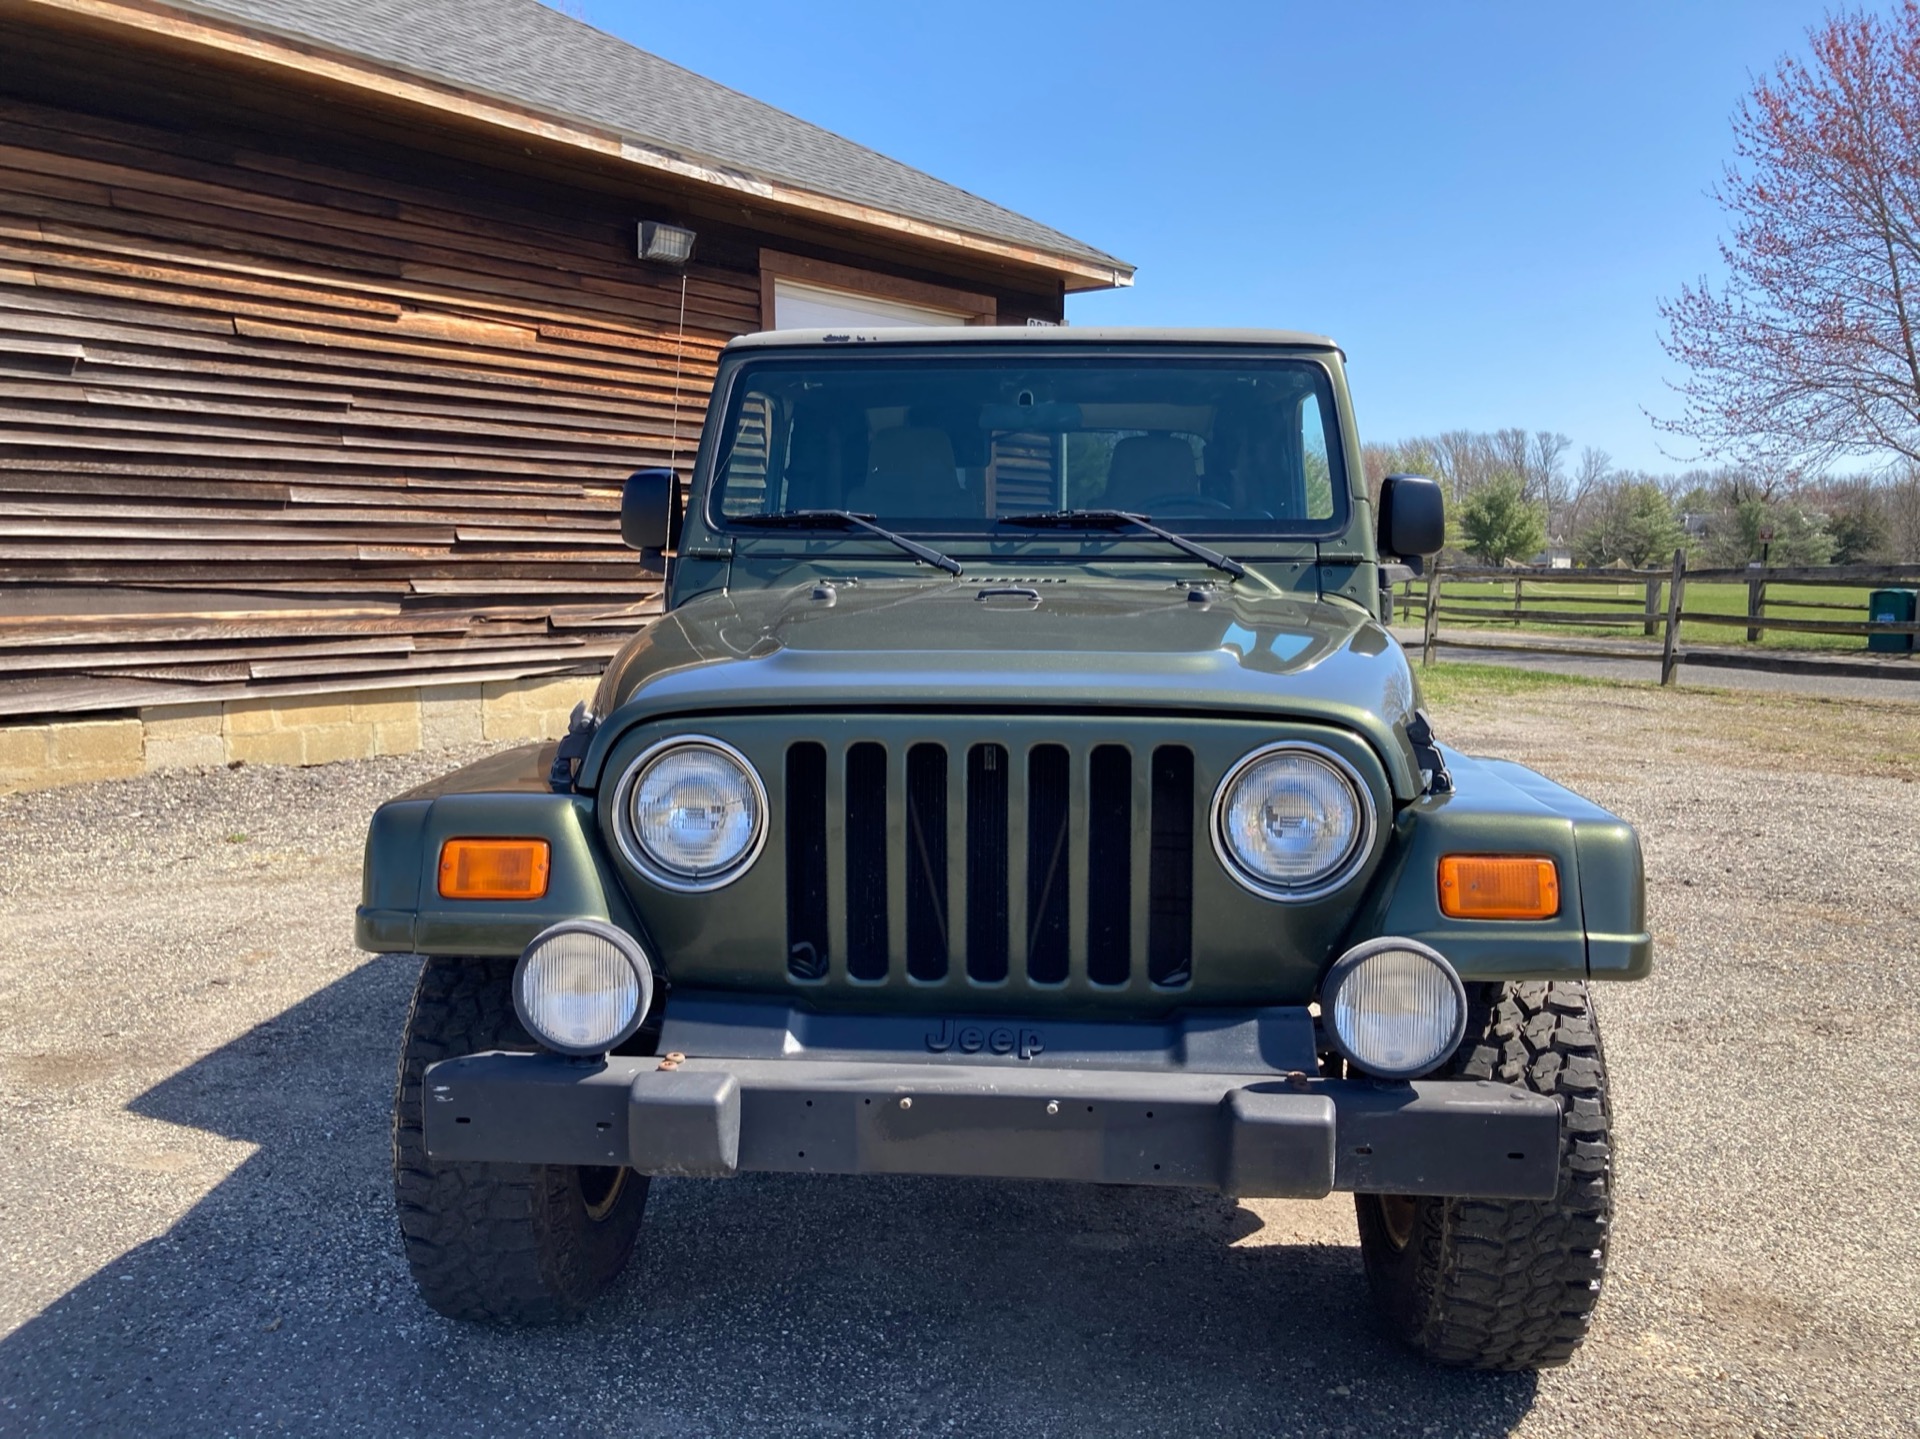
column 989, row 862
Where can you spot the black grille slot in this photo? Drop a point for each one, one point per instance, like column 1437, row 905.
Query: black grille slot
column 987, row 863
column 1047, row 811
column 867, row 861
column 1109, row 863
column 807, row 861
column 1170, row 869
column 927, row 861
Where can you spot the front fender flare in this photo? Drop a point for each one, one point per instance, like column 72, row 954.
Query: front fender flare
column 1498, row 807
column 400, row 907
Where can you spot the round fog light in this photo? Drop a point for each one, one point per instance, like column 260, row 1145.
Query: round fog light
column 582, row 988
column 1394, row 1008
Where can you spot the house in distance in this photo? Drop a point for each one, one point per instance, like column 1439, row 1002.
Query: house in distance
column 330, row 328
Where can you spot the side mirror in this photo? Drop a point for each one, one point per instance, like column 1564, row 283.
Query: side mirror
column 646, row 510
column 1413, row 517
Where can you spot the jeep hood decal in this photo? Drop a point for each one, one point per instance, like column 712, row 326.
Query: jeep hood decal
column 991, row 643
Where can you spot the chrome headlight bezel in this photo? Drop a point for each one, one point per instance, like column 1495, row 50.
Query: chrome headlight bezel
column 1348, row 964
column 626, row 831
column 618, row 940
column 1344, row 868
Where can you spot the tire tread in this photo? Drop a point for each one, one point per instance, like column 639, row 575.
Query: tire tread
column 1512, row 1284
column 492, row 1241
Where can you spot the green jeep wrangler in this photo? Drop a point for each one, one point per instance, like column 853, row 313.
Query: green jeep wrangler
column 1021, row 782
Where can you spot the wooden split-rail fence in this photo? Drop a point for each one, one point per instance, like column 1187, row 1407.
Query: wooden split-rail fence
column 1656, row 608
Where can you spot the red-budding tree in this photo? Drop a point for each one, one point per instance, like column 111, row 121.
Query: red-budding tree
column 1809, row 352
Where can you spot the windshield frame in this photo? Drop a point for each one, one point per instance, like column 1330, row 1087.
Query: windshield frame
column 1243, row 535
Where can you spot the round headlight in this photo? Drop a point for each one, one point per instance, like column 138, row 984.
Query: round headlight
column 691, row 814
column 1394, row 1007
column 582, row 987
column 1293, row 821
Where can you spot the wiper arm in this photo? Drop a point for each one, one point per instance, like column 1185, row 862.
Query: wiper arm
column 846, row 520
column 1119, row 519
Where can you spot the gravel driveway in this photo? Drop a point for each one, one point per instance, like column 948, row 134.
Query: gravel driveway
column 196, row 1237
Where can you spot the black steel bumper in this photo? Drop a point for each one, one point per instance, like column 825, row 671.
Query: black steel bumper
column 1260, row 1135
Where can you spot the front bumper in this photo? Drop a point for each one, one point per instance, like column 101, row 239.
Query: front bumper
column 1256, row 1135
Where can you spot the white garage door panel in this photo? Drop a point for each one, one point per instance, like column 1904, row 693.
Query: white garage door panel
column 810, row 307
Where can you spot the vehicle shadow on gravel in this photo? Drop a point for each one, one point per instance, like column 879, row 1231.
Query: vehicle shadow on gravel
column 773, row 1305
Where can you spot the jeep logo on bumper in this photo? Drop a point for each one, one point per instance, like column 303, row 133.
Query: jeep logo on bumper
column 971, row 1039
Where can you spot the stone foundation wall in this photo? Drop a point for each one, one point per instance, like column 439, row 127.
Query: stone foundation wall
column 300, row 730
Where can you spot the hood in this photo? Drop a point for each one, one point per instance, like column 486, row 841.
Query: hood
column 997, row 645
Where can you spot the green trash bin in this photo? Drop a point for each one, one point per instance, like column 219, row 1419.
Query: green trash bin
column 1891, row 607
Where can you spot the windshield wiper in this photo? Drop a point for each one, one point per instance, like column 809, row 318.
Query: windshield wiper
column 1120, row 519
column 846, row 520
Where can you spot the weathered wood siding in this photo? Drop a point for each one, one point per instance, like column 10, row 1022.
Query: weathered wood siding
column 301, row 391
column 266, row 422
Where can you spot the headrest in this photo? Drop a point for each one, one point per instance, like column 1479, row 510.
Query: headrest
column 910, row 471
column 1145, row 467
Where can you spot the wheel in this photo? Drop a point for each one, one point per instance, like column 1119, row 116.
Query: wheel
column 1507, row 1283
column 525, row 1243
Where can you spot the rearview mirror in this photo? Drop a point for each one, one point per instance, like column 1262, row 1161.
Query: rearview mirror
column 1413, row 517
column 646, row 509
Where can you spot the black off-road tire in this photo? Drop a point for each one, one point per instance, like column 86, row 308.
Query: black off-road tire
column 1507, row 1283
column 522, row 1243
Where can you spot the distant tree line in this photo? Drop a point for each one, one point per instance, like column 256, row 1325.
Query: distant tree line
column 1519, row 496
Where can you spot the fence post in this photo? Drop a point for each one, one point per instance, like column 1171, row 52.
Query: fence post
column 1756, row 599
column 1433, row 613
column 1670, row 655
column 1653, row 605
column 1519, row 592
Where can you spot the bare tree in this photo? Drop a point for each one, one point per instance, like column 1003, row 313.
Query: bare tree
column 1590, row 474
column 1903, row 514
column 1512, row 450
column 1545, row 476
column 1462, row 461
column 1593, row 467
column 1809, row 352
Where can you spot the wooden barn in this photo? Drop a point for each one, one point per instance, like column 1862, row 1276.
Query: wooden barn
column 326, row 341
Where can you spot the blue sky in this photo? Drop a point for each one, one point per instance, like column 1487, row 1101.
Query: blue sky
column 1482, row 202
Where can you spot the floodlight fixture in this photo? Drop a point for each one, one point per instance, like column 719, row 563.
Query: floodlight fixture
column 663, row 244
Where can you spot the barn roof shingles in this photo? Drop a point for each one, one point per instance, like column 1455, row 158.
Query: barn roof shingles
column 524, row 52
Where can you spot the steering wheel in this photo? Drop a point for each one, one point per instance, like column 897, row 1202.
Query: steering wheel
column 1187, row 502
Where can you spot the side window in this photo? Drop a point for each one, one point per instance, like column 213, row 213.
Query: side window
column 1087, row 458
column 745, row 492
column 1020, row 473
column 1317, row 466
column 1128, row 468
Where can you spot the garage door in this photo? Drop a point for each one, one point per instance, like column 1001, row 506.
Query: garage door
column 798, row 306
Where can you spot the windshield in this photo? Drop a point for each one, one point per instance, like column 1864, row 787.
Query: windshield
column 953, row 445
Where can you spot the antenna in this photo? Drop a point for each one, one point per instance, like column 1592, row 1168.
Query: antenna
column 679, row 348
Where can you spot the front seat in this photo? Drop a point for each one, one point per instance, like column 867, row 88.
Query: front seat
column 910, row 474
column 1150, row 467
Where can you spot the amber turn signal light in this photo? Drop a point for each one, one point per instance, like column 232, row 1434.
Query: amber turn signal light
column 494, row 868
column 1499, row 886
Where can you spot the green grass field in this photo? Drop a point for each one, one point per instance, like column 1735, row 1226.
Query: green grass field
column 1448, row 682
column 1703, row 597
